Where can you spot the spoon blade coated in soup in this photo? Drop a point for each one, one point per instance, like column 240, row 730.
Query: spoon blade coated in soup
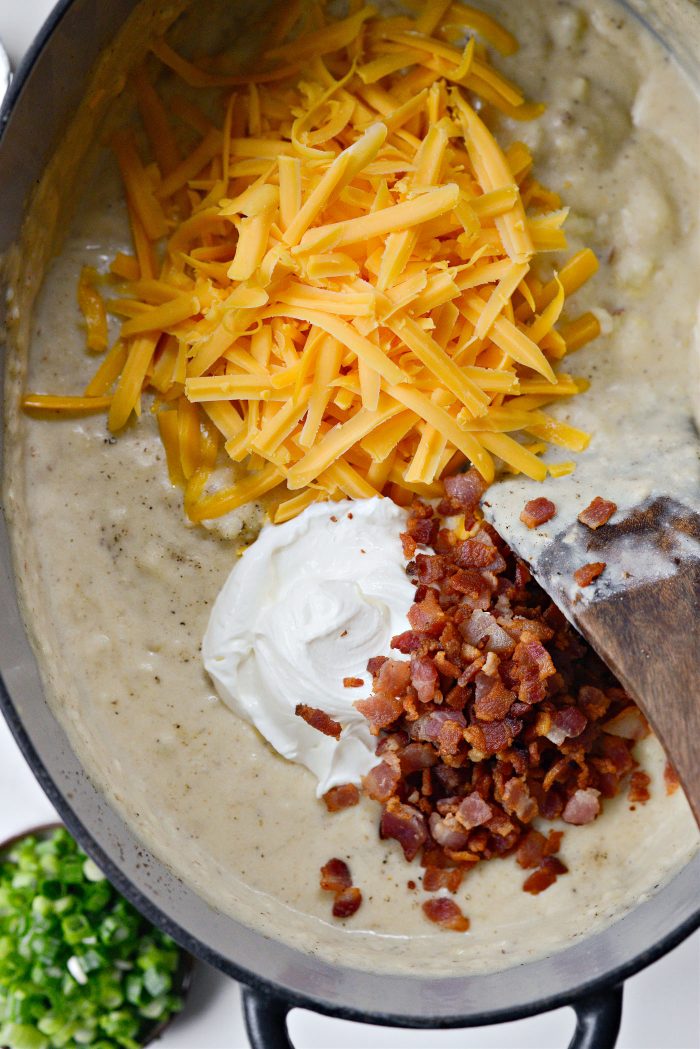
column 642, row 613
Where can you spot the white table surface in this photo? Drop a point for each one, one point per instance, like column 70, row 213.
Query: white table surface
column 662, row 1004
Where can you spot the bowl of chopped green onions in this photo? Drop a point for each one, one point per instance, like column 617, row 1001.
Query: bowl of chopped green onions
column 79, row 966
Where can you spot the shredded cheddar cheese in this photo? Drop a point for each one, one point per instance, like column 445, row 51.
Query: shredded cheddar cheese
column 93, row 309
column 339, row 287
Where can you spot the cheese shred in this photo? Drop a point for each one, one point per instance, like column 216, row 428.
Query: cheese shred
column 339, row 289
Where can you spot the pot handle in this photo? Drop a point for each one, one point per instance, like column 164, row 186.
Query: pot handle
column 265, row 1020
column 598, row 1019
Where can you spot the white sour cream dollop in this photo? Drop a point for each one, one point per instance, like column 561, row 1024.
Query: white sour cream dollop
column 304, row 607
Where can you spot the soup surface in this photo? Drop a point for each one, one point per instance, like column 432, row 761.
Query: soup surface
column 117, row 587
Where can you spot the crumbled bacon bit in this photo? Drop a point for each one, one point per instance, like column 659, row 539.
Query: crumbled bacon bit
column 420, row 511
column 466, row 489
column 517, row 800
column 473, row 811
column 553, row 842
column 483, row 628
column 544, row 876
column 639, row 788
column 430, row 725
column 422, row 530
column 424, row 678
column 352, row 682
column 406, row 824
column 532, row 665
column 537, row 511
column 380, row 710
column 394, row 676
column 535, row 848
column 417, row 757
column 347, row 902
column 407, row 642
column 531, row 850
column 318, row 719
column 671, row 779
column 597, row 513
column 430, row 569
column 586, row 574
column 447, row 832
column 582, row 807
column 436, row 878
column 567, row 723
column 630, row 723
column 426, row 616
column 375, row 664
column 342, row 797
column 474, row 585
column 444, row 911
column 617, row 758
column 498, row 715
column 593, row 701
column 522, row 574
column 381, row 781
column 335, row 876
column 408, row 544
column 473, row 553
column 494, row 704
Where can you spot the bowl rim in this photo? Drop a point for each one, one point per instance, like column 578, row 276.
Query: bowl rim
column 186, row 963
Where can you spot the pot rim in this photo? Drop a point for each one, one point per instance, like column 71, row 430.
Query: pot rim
column 196, row 946
column 28, row 61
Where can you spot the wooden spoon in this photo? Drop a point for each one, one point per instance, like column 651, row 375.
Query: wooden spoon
column 648, row 632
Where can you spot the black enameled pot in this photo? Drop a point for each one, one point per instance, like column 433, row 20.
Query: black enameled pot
column 588, row 975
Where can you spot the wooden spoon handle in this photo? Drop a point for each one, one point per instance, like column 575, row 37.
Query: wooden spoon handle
column 649, row 636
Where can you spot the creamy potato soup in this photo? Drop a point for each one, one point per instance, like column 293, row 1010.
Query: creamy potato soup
column 117, row 587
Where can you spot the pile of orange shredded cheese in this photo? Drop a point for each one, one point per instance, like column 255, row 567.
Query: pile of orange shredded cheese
column 336, row 289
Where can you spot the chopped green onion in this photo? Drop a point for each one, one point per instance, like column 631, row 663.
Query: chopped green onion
column 22, row 1036
column 92, row 872
column 78, row 965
